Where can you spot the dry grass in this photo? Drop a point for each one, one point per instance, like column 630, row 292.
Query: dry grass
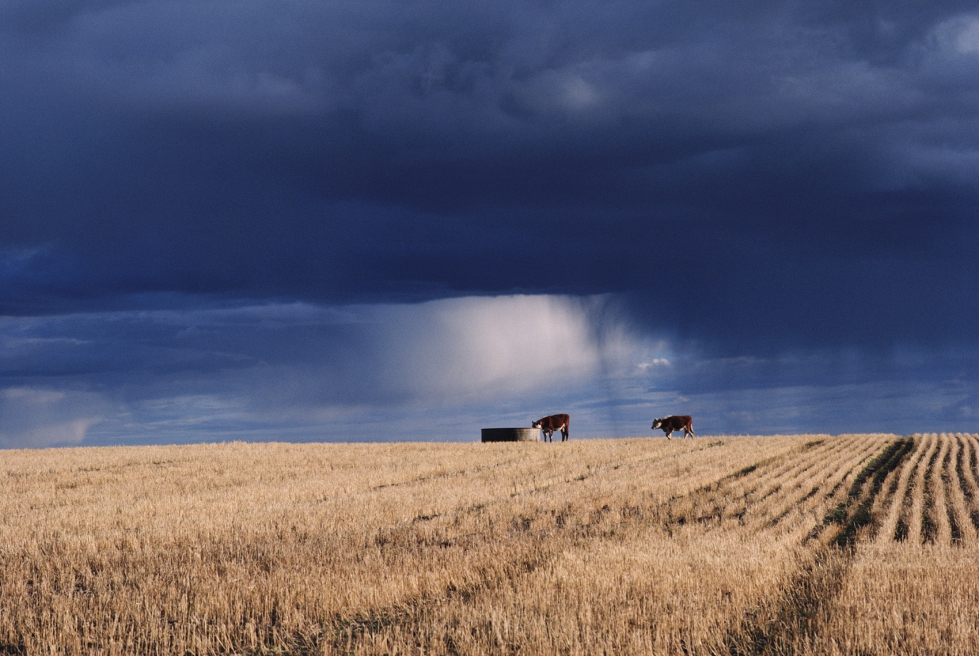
column 804, row 544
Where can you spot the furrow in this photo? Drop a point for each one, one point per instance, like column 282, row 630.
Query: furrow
column 769, row 495
column 929, row 516
column 847, row 471
column 895, row 526
column 767, row 502
column 856, row 513
column 747, row 481
column 919, row 490
column 939, row 502
column 842, row 497
column 808, row 488
column 811, row 491
column 773, row 480
column 967, row 472
column 962, row 531
column 791, row 481
column 888, row 486
column 794, row 617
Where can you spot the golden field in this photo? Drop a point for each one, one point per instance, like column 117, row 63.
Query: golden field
column 855, row 544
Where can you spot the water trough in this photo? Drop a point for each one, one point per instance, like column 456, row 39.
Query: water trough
column 511, row 435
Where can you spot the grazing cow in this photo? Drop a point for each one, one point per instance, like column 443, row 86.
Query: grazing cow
column 551, row 424
column 675, row 423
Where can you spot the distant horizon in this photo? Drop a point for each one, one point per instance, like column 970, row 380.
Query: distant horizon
column 475, row 440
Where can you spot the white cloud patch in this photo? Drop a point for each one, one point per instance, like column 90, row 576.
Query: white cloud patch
column 579, row 94
column 453, row 351
column 653, row 364
column 476, row 346
column 33, row 417
column 959, row 35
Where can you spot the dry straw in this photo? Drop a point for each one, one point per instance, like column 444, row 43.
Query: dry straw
column 638, row 546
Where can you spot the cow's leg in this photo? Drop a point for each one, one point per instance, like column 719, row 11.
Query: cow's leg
column 668, row 433
column 564, row 433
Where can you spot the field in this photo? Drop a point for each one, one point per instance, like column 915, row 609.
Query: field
column 750, row 545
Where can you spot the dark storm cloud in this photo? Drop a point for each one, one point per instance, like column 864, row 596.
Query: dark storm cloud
column 783, row 155
column 786, row 193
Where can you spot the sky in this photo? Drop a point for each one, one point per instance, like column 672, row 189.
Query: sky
column 407, row 220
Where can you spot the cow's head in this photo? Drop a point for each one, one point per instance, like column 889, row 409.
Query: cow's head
column 657, row 424
column 535, row 424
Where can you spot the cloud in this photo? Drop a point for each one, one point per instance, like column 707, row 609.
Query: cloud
column 446, row 351
column 476, row 346
column 437, row 370
column 303, row 208
column 958, row 36
column 295, row 366
column 35, row 417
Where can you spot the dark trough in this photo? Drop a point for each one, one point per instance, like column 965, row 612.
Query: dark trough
column 511, row 435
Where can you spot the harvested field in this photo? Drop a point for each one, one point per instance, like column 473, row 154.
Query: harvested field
column 748, row 545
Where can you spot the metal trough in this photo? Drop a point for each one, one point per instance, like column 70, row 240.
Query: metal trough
column 511, row 435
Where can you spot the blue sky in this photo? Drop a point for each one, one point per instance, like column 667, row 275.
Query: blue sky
column 409, row 220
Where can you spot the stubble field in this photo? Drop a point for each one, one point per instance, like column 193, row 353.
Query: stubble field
column 750, row 545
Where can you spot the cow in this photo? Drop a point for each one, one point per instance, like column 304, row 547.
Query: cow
column 552, row 423
column 675, row 423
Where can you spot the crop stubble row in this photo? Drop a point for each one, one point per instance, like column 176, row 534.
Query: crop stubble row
column 911, row 588
column 935, row 500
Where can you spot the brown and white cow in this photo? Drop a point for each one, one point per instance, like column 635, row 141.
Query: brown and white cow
column 553, row 423
column 675, row 423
